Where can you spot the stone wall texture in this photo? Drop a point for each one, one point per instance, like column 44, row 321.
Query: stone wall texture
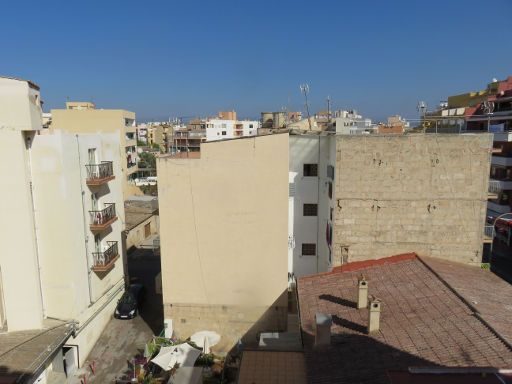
column 412, row 193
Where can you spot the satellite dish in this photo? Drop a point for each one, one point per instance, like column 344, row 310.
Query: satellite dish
column 494, row 80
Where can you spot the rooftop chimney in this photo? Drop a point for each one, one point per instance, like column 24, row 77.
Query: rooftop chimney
column 323, row 324
column 362, row 299
column 374, row 315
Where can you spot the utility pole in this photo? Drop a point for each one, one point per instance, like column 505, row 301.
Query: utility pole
column 304, row 88
column 329, row 109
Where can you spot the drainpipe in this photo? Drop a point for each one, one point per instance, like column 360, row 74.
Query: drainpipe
column 86, row 237
column 28, row 144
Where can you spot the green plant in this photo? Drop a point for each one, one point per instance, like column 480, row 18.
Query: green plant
column 485, row 266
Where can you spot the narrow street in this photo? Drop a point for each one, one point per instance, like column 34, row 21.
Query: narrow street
column 122, row 340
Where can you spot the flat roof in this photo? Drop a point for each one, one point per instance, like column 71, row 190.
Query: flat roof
column 25, row 354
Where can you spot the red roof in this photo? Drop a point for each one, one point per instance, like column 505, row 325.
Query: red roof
column 424, row 322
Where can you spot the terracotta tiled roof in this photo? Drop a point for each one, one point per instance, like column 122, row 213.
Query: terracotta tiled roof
column 424, row 322
column 271, row 367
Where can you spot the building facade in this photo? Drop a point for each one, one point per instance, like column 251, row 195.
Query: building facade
column 223, row 219
column 62, row 224
column 225, row 126
column 82, row 117
column 488, row 110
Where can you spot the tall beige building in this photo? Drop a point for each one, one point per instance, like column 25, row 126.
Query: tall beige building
column 224, row 238
column 61, row 271
column 83, row 117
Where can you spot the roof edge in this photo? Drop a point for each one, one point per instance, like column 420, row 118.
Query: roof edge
column 357, row 265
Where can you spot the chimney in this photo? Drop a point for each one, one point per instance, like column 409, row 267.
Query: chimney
column 362, row 298
column 323, row 324
column 374, row 315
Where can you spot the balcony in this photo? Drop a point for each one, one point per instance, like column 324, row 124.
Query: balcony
column 98, row 174
column 488, row 234
column 105, row 261
column 494, row 189
column 101, row 220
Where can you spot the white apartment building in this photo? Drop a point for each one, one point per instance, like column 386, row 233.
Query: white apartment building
column 63, row 216
column 217, row 129
column 311, row 204
column 351, row 123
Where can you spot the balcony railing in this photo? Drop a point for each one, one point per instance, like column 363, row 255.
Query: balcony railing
column 104, row 261
column 488, row 233
column 98, row 174
column 100, row 220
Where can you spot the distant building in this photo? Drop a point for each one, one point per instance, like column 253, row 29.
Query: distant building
column 83, row 117
column 350, row 123
column 197, row 131
column 282, row 119
column 395, row 124
column 61, row 269
column 486, row 110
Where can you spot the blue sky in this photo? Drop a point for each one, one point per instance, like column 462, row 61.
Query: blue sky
column 188, row 58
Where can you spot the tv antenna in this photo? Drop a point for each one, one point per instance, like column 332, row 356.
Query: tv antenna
column 304, row 89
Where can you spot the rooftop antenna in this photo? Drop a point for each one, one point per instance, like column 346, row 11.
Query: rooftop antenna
column 328, row 108
column 304, row 88
column 422, row 108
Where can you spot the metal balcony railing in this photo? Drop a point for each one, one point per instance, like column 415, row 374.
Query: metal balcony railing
column 97, row 172
column 102, row 260
column 100, row 218
column 494, row 186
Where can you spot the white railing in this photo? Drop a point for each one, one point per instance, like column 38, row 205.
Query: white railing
column 494, row 186
column 489, row 230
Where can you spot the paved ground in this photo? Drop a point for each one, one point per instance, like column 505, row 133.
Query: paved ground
column 124, row 339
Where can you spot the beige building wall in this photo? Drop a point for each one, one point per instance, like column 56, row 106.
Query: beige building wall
column 136, row 235
column 83, row 118
column 412, row 193
column 20, row 117
column 71, row 289
column 223, row 224
column 18, row 259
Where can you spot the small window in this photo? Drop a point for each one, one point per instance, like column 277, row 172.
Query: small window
column 310, row 169
column 223, row 125
column 330, row 213
column 308, row 249
column 223, row 133
column 310, row 209
column 251, row 126
column 330, row 190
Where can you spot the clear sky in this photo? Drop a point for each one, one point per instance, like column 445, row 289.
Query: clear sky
column 188, row 58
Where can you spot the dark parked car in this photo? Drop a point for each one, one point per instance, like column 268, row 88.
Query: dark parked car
column 128, row 305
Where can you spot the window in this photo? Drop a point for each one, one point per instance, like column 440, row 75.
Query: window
column 92, row 155
column 330, row 190
column 308, row 249
column 223, row 125
column 251, row 126
column 310, row 210
column 310, row 169
column 223, row 133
